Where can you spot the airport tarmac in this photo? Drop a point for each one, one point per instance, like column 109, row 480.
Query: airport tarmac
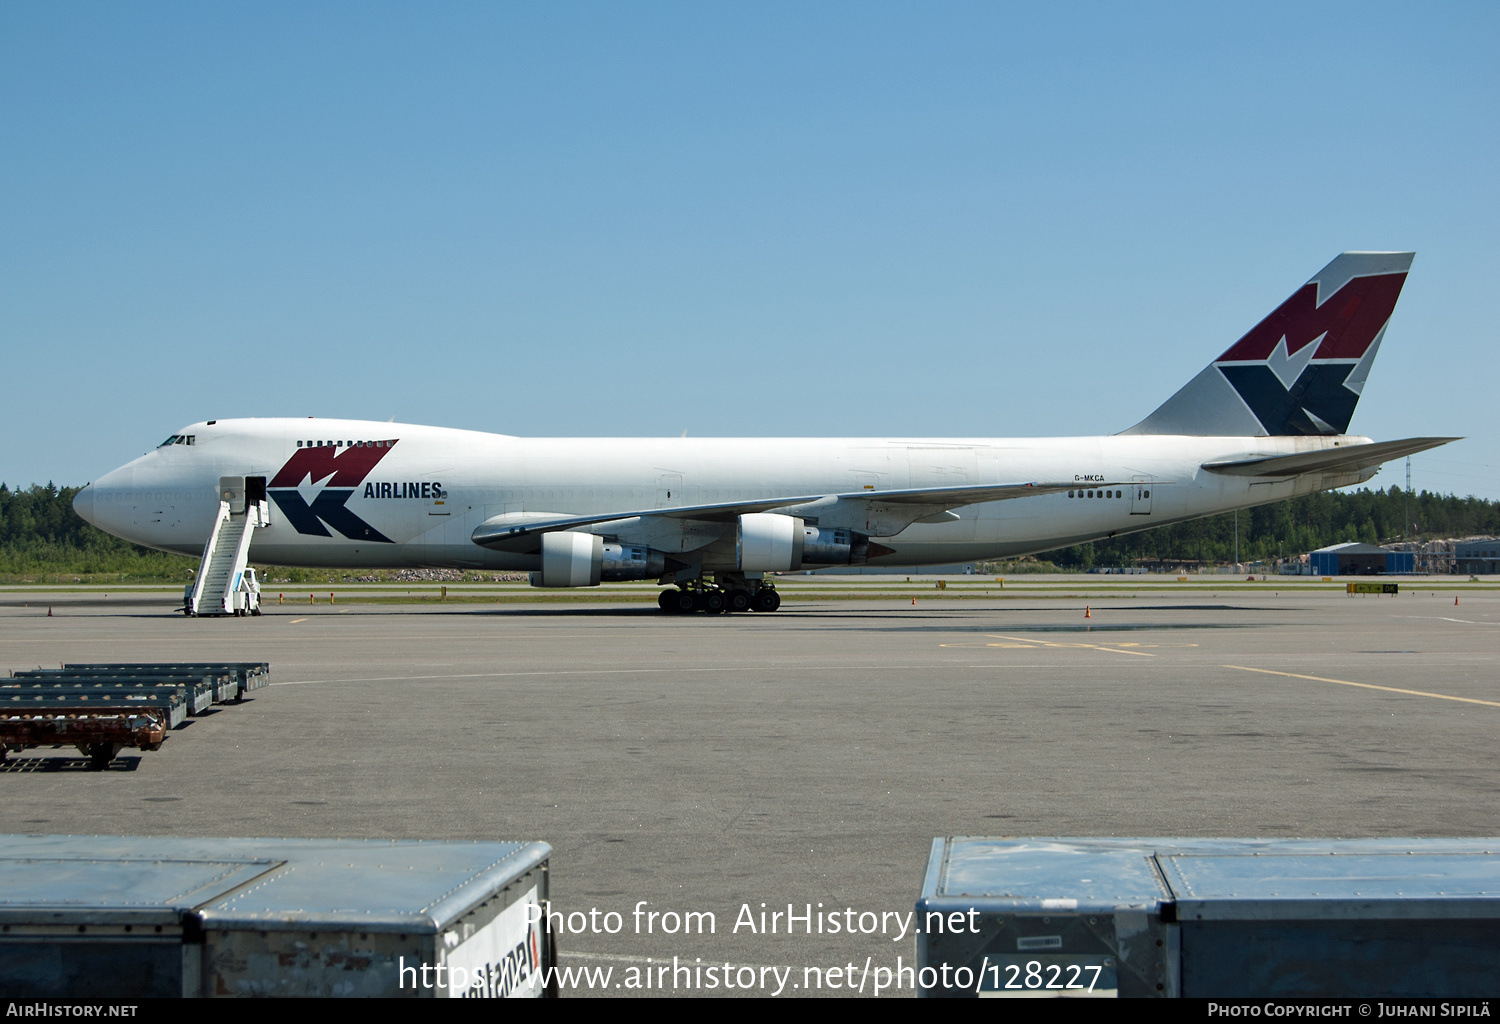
column 810, row 756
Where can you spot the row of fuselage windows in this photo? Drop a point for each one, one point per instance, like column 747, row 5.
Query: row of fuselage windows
column 1103, row 494
column 344, row 444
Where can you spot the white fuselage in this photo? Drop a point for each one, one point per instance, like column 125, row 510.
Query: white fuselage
column 432, row 487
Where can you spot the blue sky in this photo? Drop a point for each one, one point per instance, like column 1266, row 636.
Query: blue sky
column 731, row 219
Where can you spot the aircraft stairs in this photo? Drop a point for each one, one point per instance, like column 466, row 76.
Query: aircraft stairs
column 215, row 589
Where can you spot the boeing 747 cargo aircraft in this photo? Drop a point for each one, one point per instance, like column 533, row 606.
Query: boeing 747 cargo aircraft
column 711, row 517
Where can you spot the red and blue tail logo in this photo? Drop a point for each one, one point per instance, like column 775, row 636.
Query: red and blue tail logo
column 1302, row 369
column 341, row 471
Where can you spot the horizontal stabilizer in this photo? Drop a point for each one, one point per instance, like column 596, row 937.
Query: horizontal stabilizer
column 1352, row 457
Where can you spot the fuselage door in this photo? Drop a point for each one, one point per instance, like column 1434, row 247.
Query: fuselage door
column 255, row 498
column 1140, row 496
column 232, row 490
column 669, row 490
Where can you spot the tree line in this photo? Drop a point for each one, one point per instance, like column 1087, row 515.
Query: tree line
column 1293, row 527
column 40, row 532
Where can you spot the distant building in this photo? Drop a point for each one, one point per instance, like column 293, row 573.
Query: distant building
column 1356, row 559
column 1477, row 557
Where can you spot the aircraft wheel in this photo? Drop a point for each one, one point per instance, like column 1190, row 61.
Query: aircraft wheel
column 666, row 600
column 767, row 600
column 685, row 601
column 714, row 602
column 737, row 601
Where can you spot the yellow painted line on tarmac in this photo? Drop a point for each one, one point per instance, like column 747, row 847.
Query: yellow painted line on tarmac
column 295, row 621
column 1091, row 647
column 1025, row 642
column 1367, row 686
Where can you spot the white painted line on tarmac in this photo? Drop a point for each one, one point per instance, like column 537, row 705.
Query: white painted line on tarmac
column 510, row 675
column 1367, row 686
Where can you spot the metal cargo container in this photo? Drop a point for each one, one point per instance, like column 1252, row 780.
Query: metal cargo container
column 224, row 684
column 135, row 917
column 250, row 675
column 198, row 692
column 1210, row 917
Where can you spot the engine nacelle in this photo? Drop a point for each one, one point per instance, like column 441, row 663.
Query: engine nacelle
column 570, row 560
column 822, row 546
column 633, row 562
column 766, row 542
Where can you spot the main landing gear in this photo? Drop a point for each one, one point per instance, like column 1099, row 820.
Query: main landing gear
column 715, row 600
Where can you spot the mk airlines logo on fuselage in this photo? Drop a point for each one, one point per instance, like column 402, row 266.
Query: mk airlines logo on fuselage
column 341, row 470
column 1301, row 370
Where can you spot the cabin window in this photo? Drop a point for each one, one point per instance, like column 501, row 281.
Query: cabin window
column 1070, row 494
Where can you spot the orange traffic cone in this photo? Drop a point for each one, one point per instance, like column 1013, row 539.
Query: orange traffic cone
column 914, row 602
column 1086, row 613
column 1455, row 604
column 49, row 608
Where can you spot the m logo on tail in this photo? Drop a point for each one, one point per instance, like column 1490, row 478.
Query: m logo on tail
column 1302, row 369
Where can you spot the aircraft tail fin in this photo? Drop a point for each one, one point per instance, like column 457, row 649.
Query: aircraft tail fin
column 1301, row 370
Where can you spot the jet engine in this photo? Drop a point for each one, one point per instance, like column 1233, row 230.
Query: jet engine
column 834, row 547
column 570, row 560
column 583, row 559
column 767, row 542
column 632, row 562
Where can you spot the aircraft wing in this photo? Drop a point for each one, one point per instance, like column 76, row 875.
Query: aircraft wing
column 908, row 504
column 1354, row 457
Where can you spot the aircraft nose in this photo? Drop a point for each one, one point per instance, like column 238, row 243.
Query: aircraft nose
column 83, row 504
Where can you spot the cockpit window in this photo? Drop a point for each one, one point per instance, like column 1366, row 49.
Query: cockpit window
column 171, row 440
